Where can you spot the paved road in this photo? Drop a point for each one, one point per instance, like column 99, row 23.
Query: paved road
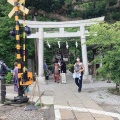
column 71, row 105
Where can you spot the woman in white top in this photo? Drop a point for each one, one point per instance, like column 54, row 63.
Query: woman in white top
column 78, row 69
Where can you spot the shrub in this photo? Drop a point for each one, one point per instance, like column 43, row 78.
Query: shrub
column 8, row 77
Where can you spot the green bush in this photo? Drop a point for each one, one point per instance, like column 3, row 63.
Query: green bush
column 8, row 77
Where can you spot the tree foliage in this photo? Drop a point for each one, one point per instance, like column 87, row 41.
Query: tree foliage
column 51, row 10
column 106, row 38
column 75, row 9
column 7, row 44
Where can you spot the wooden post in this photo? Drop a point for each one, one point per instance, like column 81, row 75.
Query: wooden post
column 33, row 90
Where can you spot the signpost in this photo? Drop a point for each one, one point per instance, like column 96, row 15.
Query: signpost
column 20, row 7
column 24, row 78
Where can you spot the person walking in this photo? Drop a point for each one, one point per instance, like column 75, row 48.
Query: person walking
column 63, row 67
column 15, row 77
column 45, row 67
column 63, row 72
column 59, row 63
column 56, row 72
column 78, row 72
column 3, row 68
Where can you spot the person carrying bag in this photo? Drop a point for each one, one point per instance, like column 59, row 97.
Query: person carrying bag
column 78, row 73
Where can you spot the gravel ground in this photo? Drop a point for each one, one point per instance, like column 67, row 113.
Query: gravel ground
column 20, row 114
column 106, row 100
column 103, row 96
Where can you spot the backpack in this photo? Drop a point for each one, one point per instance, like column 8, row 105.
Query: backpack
column 77, row 67
column 3, row 69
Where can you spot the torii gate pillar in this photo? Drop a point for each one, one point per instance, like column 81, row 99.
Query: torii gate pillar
column 40, row 49
column 84, row 52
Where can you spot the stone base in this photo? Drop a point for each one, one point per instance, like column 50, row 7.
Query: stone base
column 87, row 79
column 42, row 80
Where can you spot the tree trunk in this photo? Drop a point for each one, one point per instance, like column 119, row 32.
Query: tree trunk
column 107, row 4
column 117, row 5
column 94, row 4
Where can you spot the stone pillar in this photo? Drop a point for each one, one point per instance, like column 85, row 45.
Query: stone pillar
column 41, row 77
column 84, row 53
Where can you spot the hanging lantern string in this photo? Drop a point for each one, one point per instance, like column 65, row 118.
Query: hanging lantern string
column 48, row 43
column 54, row 41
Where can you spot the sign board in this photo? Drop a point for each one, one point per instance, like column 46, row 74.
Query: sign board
column 21, row 7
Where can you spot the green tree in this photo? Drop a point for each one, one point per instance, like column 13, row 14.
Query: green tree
column 51, row 10
column 106, row 38
column 7, row 44
column 65, row 10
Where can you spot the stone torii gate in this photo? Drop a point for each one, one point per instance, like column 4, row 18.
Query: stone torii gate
column 61, row 33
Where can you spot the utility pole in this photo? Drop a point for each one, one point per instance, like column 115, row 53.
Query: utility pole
column 24, row 78
column 18, row 56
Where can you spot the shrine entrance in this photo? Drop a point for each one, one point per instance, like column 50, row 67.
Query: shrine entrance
column 61, row 33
